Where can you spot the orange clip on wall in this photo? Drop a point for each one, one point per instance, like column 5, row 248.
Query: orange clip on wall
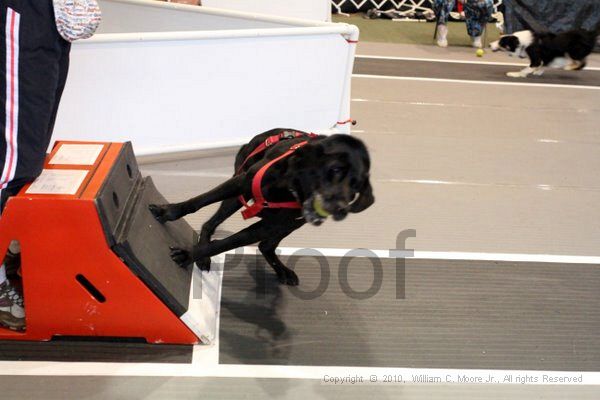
column 94, row 263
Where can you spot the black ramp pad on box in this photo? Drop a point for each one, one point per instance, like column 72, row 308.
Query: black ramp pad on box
column 117, row 195
column 144, row 245
column 454, row 314
column 141, row 241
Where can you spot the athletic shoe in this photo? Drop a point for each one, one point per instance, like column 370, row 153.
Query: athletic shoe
column 12, row 311
column 477, row 42
column 442, row 36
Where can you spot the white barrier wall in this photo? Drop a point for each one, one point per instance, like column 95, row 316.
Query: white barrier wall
column 149, row 16
column 319, row 10
column 154, row 77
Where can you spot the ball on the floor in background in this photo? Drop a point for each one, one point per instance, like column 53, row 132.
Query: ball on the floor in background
column 479, row 52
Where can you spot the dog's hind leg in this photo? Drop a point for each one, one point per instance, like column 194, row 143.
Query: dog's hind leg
column 535, row 66
column 576, row 65
column 267, row 248
column 582, row 64
column 538, row 72
column 524, row 73
column 226, row 210
column 226, row 190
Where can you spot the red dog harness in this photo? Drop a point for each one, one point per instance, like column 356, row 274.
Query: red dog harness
column 258, row 200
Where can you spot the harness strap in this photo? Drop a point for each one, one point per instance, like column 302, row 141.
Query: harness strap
column 259, row 201
column 271, row 140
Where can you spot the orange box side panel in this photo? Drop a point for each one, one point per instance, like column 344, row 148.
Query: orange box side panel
column 61, row 238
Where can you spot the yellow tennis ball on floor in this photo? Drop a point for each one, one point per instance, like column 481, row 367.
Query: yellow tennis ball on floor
column 479, row 52
column 319, row 208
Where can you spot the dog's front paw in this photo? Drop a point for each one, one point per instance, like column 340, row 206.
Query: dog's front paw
column 515, row 75
column 163, row 212
column 204, row 264
column 181, row 257
column 288, row 277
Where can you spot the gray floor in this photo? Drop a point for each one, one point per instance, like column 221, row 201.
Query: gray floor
column 470, row 167
column 451, row 53
column 417, row 314
column 69, row 349
column 470, row 72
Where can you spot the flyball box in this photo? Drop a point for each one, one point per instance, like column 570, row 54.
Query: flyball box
column 94, row 261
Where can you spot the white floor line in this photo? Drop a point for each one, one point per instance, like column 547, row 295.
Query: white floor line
column 501, row 83
column 540, row 186
column 441, row 60
column 208, row 354
column 441, row 255
column 200, row 174
column 408, row 375
column 520, row 107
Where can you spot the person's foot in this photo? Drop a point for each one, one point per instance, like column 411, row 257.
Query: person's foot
column 442, row 35
column 477, row 43
column 12, row 311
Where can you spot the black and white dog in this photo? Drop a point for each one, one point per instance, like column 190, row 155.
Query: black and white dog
column 567, row 50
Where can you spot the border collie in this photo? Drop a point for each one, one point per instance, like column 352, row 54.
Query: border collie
column 567, row 50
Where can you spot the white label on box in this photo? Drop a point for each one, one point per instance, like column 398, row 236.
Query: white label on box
column 57, row 181
column 77, row 154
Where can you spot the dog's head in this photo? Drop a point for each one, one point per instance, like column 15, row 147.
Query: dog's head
column 332, row 175
column 508, row 43
column 514, row 44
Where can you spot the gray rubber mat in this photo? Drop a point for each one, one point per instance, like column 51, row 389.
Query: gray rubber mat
column 94, row 351
column 455, row 314
column 470, row 72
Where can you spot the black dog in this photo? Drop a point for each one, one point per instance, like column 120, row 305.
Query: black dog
column 302, row 177
column 567, row 50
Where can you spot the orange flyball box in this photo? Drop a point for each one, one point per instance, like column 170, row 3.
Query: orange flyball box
column 94, row 262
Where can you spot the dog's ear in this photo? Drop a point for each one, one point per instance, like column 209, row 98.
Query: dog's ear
column 365, row 198
column 510, row 43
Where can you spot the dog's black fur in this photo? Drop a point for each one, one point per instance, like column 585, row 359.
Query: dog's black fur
column 543, row 49
column 334, row 169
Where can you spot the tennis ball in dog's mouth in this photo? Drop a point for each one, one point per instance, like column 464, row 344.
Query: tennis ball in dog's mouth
column 319, row 208
column 479, row 53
